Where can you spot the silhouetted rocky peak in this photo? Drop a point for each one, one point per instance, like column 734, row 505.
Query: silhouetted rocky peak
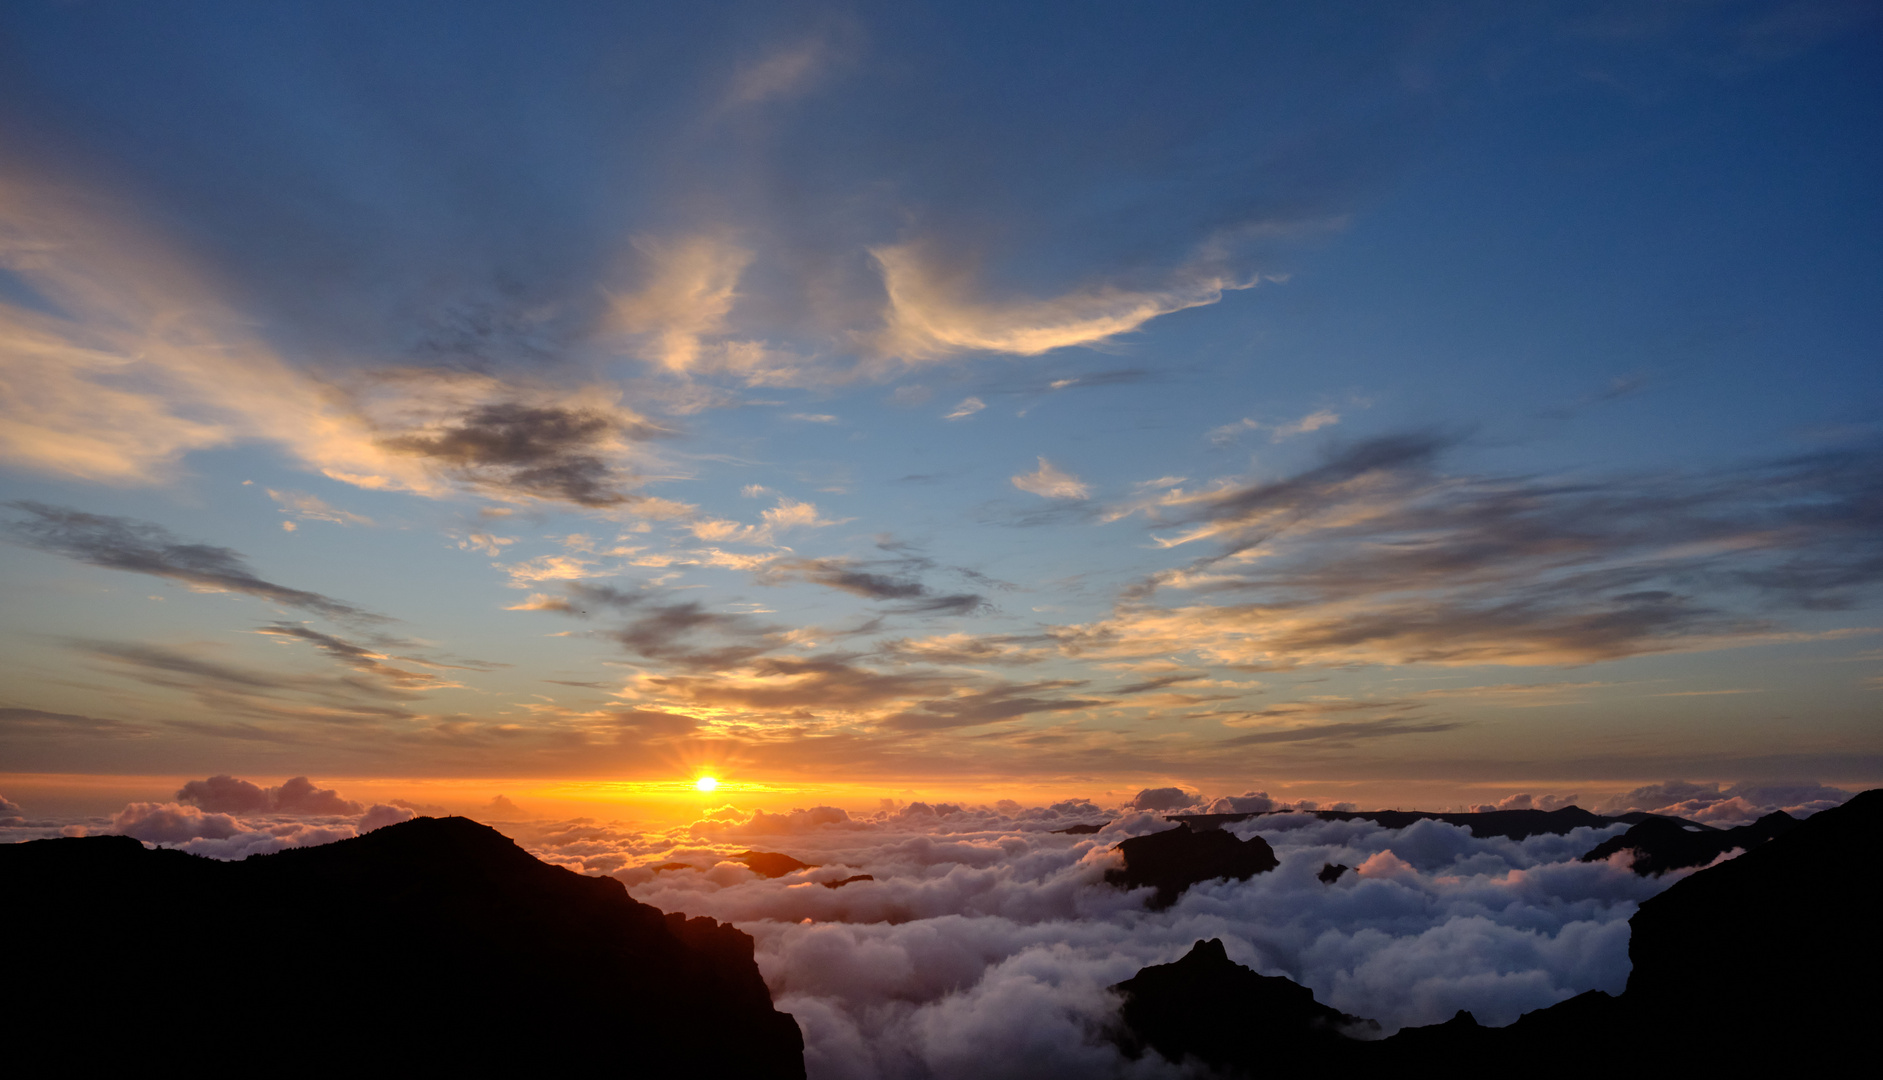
column 1330, row 872
column 1080, row 830
column 1178, row 858
column 851, row 880
column 771, row 864
column 1661, row 844
column 1209, row 1007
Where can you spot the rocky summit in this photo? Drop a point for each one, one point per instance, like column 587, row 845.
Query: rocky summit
column 1174, row 860
column 432, row 946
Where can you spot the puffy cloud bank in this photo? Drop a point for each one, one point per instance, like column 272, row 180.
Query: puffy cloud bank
column 226, row 794
column 1724, row 808
column 224, row 818
column 223, row 836
column 986, row 939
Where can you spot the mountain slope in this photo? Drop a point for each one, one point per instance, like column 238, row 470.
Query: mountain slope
column 432, row 944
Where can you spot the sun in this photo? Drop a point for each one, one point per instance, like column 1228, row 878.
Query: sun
column 706, row 783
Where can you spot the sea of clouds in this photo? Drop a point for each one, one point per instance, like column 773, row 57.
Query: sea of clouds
column 985, row 943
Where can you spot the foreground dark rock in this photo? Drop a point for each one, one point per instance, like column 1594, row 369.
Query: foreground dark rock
column 1663, row 844
column 1178, row 858
column 1330, row 872
column 431, row 946
column 1763, row 964
column 1211, row 1008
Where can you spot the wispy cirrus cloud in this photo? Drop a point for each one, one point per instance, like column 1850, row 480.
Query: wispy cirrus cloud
column 968, row 407
column 863, row 579
column 1377, row 556
column 934, row 310
column 690, row 287
column 313, row 508
column 1314, row 421
column 369, row 661
column 134, row 361
column 228, row 689
column 142, row 547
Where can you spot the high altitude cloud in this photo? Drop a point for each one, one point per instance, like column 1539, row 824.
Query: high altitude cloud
column 1376, row 556
column 1314, row 421
column 133, row 361
column 141, row 547
column 556, row 452
column 313, row 508
column 933, row 311
column 369, row 661
column 1051, row 482
column 688, row 295
column 862, row 579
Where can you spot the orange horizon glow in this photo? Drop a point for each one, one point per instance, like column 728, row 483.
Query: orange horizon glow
column 681, row 799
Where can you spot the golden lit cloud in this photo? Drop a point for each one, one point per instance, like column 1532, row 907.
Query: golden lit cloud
column 137, row 363
column 690, row 289
column 1051, row 482
column 933, row 311
column 788, row 514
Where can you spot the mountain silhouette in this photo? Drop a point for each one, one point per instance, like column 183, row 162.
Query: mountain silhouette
column 1764, row 964
column 1208, row 1007
column 1662, row 844
column 1512, row 824
column 432, row 945
column 771, row 864
column 1178, row 858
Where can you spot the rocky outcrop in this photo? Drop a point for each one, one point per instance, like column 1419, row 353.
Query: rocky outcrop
column 1178, row 858
column 772, row 864
column 851, row 880
column 1661, row 844
column 1330, row 872
column 1208, row 1007
column 432, row 946
column 1080, row 830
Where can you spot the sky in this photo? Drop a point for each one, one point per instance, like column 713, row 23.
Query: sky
column 1393, row 404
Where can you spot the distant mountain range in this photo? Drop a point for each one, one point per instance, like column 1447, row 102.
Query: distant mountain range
column 1763, row 965
column 1660, row 843
column 432, row 947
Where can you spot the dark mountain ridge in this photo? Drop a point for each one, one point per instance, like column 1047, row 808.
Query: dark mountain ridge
column 429, row 945
column 1662, row 844
column 1513, row 824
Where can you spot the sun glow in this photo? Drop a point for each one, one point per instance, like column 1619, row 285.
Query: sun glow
column 706, row 783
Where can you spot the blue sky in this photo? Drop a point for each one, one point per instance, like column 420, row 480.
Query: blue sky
column 1216, row 396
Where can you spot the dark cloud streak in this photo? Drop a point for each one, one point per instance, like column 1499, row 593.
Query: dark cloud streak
column 141, row 547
